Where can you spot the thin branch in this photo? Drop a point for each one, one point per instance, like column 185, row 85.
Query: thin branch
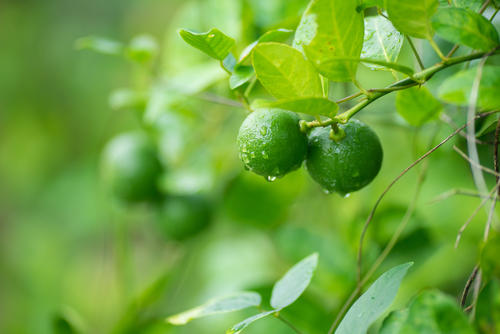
column 471, row 279
column 348, row 98
column 289, row 324
column 483, row 202
column 447, row 119
column 386, row 190
column 219, row 100
column 474, row 163
column 453, row 192
column 415, row 53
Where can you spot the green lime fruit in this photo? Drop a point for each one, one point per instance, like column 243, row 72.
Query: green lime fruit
column 131, row 168
column 346, row 165
column 271, row 143
column 181, row 217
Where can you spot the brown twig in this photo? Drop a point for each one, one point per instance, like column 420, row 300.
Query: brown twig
column 477, row 165
column 471, row 279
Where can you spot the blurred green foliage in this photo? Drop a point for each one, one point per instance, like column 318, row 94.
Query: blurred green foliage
column 73, row 260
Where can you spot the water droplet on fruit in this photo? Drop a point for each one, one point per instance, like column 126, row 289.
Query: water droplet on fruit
column 326, row 191
column 211, row 36
column 252, row 154
column 271, row 178
column 355, row 174
column 244, row 148
column 263, row 131
column 347, row 195
column 265, row 155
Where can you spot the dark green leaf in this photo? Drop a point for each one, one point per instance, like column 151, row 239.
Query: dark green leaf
column 490, row 262
column 284, row 72
column 465, row 27
column 417, row 105
column 331, row 29
column 239, row 327
column 142, row 49
column 489, row 125
column 370, row 306
column 278, row 35
column 371, row 3
column 226, row 304
column 431, row 312
column 315, row 106
column 382, row 41
column 214, row 42
column 294, row 282
column 99, row 44
column 488, row 308
column 457, row 89
column 240, row 76
column 412, row 18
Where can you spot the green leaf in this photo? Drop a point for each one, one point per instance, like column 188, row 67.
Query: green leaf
column 411, row 17
column 490, row 263
column 370, row 306
column 226, row 304
column 284, row 72
column 294, row 282
column 214, row 42
column 240, row 76
column 382, row 41
column 278, row 35
column 465, row 27
column 457, row 88
column 417, row 105
column 331, row 29
column 489, row 125
column 430, row 312
column 371, row 3
column 142, row 48
column 128, row 99
column 315, row 106
column 239, row 327
column 474, row 5
column 100, row 45
column 487, row 317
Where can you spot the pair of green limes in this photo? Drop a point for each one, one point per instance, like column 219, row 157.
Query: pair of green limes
column 132, row 170
column 272, row 144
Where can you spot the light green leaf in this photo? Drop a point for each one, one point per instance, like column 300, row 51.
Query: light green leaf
column 382, row 41
column 463, row 26
column 240, row 76
column 239, row 327
column 214, row 42
column 277, row 35
column 100, row 45
column 412, row 17
column 457, row 88
column 417, row 105
column 128, row 99
column 474, row 5
column 370, row 306
column 294, row 282
column 331, row 29
column 226, row 304
column 284, row 72
column 142, row 48
column 431, row 312
column 315, row 106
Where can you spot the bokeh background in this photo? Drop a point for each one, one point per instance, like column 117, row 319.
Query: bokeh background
column 67, row 249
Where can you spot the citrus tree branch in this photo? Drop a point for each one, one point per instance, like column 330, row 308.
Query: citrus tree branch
column 418, row 79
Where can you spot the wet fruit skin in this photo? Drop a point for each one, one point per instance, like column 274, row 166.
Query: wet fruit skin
column 347, row 165
column 271, row 143
column 131, row 168
column 180, row 217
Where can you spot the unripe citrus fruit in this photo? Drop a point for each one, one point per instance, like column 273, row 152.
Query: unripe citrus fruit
column 131, row 167
column 271, row 143
column 180, row 217
column 347, row 165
